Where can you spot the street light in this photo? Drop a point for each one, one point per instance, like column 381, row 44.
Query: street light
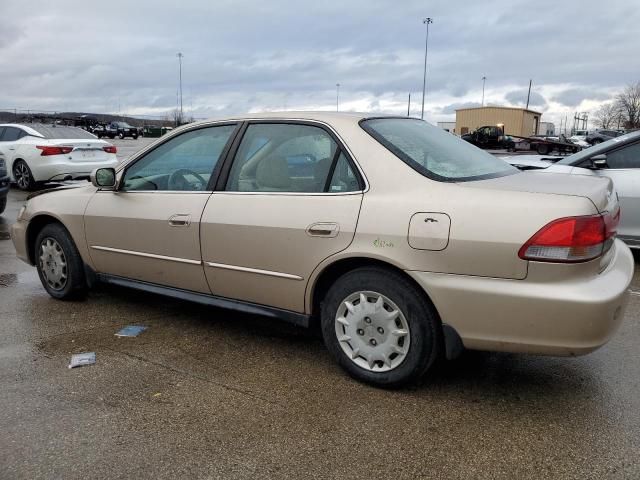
column 180, row 55
column 483, row 80
column 426, row 21
column 337, row 95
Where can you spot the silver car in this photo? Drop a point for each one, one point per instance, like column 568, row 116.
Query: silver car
column 618, row 159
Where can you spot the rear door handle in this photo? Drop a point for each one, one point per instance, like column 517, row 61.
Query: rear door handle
column 323, row 229
column 180, row 220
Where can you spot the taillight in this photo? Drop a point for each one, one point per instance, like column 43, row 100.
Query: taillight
column 51, row 150
column 572, row 239
column 110, row 149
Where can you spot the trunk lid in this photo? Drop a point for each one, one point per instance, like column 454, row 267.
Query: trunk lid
column 599, row 190
column 84, row 150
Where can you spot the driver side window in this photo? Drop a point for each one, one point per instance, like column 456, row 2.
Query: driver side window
column 184, row 163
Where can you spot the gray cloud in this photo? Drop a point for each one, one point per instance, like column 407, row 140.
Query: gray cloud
column 451, row 108
column 519, row 97
column 574, row 96
column 244, row 55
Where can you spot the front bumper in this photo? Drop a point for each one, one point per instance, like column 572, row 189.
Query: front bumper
column 19, row 238
column 5, row 184
column 554, row 316
column 59, row 170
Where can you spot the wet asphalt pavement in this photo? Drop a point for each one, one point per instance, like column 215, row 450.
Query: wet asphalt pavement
column 205, row 393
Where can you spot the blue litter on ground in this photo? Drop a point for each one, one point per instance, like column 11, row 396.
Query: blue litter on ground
column 131, row 331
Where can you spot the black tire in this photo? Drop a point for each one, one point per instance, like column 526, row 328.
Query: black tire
column 121, row 136
column 135, row 137
column 423, row 322
column 543, row 149
column 99, row 135
column 3, row 204
column 75, row 285
column 22, row 176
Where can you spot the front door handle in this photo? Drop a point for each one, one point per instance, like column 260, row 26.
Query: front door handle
column 180, row 220
column 323, row 229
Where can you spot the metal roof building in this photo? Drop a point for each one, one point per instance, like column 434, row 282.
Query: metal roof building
column 516, row 121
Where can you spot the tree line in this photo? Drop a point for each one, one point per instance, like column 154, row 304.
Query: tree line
column 623, row 111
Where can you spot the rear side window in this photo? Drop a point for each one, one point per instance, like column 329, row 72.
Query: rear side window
column 11, row 134
column 433, row 152
column 283, row 157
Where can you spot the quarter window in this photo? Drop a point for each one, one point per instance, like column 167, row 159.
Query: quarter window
column 184, row 163
column 283, row 158
column 343, row 178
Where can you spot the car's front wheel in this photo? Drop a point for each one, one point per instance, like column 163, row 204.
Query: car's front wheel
column 380, row 327
column 3, row 204
column 59, row 264
column 22, row 175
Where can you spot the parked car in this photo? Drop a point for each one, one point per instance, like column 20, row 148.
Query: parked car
column 617, row 159
column 489, row 136
column 403, row 241
column 599, row 136
column 123, row 129
column 36, row 153
column 5, row 182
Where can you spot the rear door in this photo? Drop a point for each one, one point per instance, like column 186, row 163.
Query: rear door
column 149, row 229
column 290, row 198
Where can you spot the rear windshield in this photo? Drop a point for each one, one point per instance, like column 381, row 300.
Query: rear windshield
column 434, row 153
column 61, row 132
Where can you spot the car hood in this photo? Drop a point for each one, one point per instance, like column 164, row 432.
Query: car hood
column 597, row 189
column 58, row 189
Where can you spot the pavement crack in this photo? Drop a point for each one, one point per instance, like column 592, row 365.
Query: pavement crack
column 241, row 391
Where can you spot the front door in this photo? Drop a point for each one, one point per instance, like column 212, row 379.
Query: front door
column 149, row 229
column 291, row 199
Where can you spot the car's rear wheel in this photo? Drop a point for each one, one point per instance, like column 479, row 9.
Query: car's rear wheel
column 543, row 149
column 22, row 175
column 380, row 328
column 3, row 204
column 121, row 135
column 59, row 264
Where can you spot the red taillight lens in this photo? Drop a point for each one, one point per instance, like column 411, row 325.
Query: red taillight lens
column 110, row 149
column 51, row 150
column 572, row 239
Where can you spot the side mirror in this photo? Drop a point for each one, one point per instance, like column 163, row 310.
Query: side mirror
column 104, row 178
column 599, row 161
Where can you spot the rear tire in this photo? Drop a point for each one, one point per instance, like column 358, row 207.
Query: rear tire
column 59, row 264
column 543, row 149
column 121, row 135
column 380, row 328
column 22, row 176
column 3, row 204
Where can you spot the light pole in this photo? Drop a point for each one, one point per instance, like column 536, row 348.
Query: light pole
column 180, row 55
column 483, row 80
column 426, row 21
column 337, row 95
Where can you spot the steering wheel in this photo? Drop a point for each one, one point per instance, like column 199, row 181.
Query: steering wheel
column 178, row 181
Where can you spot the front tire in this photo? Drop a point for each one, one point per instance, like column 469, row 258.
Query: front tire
column 59, row 264
column 22, row 176
column 121, row 136
column 3, row 204
column 380, row 327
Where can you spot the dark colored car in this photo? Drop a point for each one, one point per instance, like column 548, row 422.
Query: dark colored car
column 123, row 129
column 489, row 136
column 600, row 136
column 104, row 131
column 4, row 184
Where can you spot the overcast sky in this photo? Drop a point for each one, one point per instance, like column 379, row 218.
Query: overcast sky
column 246, row 56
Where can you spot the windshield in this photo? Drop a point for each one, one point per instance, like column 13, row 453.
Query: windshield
column 61, row 132
column 576, row 158
column 434, row 153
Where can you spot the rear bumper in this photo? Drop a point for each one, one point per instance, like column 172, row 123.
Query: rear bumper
column 60, row 169
column 555, row 317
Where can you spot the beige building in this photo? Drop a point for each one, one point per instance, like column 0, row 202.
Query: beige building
column 516, row 121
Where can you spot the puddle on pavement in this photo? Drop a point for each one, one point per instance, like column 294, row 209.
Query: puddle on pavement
column 8, row 279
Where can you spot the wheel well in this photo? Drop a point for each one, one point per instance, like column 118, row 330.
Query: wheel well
column 334, row 271
column 35, row 226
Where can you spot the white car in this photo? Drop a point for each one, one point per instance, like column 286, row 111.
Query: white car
column 35, row 153
column 617, row 159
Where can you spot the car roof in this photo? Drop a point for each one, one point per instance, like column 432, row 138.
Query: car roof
column 24, row 127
